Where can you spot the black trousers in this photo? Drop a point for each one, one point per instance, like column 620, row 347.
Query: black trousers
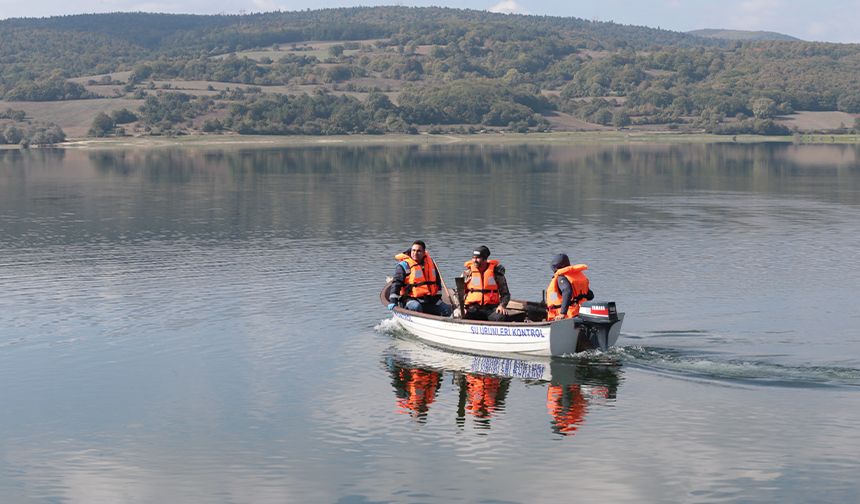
column 488, row 312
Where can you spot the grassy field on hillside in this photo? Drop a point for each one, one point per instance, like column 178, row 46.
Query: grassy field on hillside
column 317, row 48
column 820, row 121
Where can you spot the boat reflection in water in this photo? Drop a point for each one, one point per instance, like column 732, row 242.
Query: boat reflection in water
column 481, row 396
column 416, row 389
column 483, row 383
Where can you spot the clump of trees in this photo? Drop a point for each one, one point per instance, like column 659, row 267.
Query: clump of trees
column 103, row 125
column 123, row 116
column 15, row 129
column 317, row 114
column 475, row 102
column 15, row 115
column 45, row 134
column 31, row 134
column 328, row 114
column 51, row 89
column 107, row 125
column 164, row 111
column 161, row 112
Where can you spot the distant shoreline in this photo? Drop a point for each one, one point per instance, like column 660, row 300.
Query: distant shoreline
column 557, row 138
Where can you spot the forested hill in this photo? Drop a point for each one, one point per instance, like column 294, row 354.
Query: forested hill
column 742, row 35
column 188, row 34
column 379, row 69
column 95, row 43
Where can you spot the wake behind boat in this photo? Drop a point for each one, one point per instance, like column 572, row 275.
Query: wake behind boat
column 597, row 327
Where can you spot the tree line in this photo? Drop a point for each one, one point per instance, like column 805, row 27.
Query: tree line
column 324, row 113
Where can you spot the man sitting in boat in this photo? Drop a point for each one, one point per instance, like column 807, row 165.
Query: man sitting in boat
column 417, row 285
column 567, row 289
column 487, row 293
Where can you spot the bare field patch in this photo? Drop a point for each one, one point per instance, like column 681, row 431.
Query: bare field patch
column 819, row 121
column 379, row 82
column 595, row 54
column 109, row 85
column 660, row 73
column 618, row 100
column 561, row 121
column 203, row 88
column 74, row 116
column 114, row 76
column 316, row 48
column 106, row 91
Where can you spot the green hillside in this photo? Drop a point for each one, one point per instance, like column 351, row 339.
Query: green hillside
column 403, row 69
column 744, row 35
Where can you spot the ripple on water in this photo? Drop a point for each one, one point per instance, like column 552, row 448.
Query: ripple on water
column 738, row 371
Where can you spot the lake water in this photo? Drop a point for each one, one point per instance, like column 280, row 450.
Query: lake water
column 204, row 326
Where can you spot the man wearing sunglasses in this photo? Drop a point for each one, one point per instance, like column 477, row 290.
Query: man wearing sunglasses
column 417, row 285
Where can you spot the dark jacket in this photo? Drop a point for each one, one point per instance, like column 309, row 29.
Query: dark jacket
column 567, row 294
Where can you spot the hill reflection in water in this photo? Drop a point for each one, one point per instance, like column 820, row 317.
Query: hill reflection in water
column 352, row 192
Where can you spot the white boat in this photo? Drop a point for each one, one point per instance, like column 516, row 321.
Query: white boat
column 597, row 327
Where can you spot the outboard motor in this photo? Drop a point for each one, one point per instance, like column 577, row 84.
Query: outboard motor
column 599, row 324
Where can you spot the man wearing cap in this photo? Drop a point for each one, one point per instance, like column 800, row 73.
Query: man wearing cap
column 417, row 285
column 568, row 288
column 487, row 292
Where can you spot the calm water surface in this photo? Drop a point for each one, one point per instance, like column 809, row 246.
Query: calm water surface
column 204, row 326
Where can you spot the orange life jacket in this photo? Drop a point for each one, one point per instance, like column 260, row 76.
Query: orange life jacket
column 577, row 280
column 421, row 280
column 481, row 289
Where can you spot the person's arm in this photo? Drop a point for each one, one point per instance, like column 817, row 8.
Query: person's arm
column 585, row 296
column 566, row 293
column 399, row 278
column 502, row 282
column 467, row 274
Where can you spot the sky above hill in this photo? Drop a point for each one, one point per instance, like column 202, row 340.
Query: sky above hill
column 822, row 20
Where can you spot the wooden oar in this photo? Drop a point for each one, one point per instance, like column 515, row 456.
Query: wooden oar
column 461, row 294
column 447, row 292
column 445, row 288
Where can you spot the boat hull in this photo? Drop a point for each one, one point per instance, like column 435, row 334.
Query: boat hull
column 527, row 339
column 598, row 328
